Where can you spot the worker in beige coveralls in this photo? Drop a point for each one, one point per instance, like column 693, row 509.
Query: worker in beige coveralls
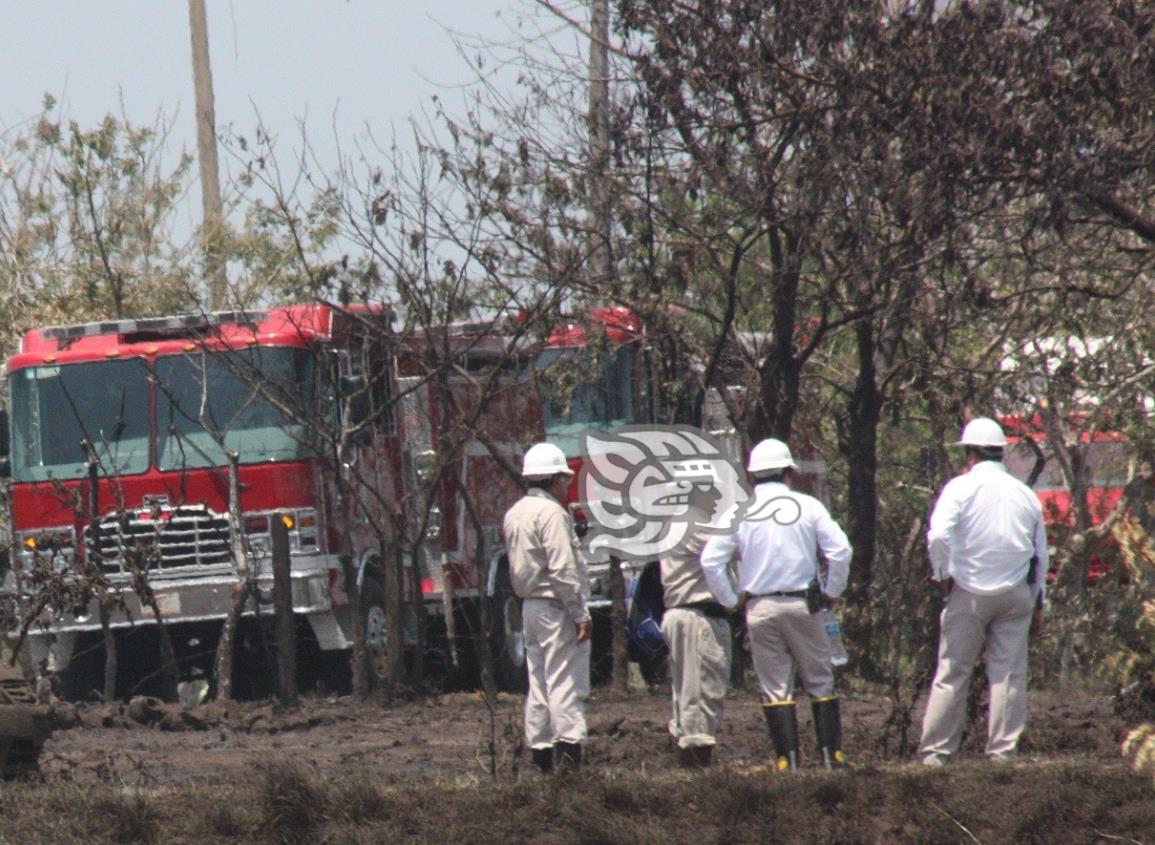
column 549, row 576
column 697, row 630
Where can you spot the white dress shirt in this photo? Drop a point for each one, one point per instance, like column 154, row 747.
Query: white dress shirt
column 778, row 557
column 984, row 529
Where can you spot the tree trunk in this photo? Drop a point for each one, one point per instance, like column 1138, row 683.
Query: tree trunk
column 864, row 413
column 861, row 448
column 482, row 638
column 223, row 664
column 168, row 668
column 283, row 610
column 421, row 636
column 110, row 656
column 246, row 585
column 357, row 655
column 395, row 604
column 485, row 621
column 620, row 648
column 779, row 377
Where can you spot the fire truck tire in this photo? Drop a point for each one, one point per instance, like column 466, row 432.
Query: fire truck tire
column 374, row 618
column 507, row 639
column 83, row 679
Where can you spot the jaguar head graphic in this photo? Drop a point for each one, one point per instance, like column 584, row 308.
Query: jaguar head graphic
column 648, row 490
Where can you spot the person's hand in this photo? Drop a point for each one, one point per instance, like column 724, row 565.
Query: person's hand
column 1037, row 621
column 740, row 607
column 830, row 602
column 946, row 585
column 585, row 630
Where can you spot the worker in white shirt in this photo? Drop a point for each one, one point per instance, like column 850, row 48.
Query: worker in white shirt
column 550, row 578
column 778, row 542
column 988, row 551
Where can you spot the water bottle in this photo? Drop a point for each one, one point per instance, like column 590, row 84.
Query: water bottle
column 838, row 655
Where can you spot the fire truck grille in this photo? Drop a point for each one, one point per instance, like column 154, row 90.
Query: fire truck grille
column 190, row 536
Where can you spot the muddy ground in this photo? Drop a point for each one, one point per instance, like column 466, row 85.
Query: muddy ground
column 450, row 735
column 447, row 769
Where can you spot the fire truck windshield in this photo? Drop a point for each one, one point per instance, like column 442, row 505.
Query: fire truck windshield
column 208, row 405
column 580, row 392
column 57, row 410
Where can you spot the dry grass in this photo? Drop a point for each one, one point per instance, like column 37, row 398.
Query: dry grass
column 284, row 801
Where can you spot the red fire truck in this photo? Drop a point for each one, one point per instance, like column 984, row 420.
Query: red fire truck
column 1104, row 457
column 151, row 409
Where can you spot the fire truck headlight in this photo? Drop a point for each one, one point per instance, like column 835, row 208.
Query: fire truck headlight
column 307, row 529
column 301, row 526
column 55, row 544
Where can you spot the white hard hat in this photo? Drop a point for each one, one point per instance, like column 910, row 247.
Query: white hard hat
column 543, row 460
column 770, row 455
column 983, row 432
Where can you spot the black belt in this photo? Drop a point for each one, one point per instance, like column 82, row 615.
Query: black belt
column 712, row 609
column 793, row 594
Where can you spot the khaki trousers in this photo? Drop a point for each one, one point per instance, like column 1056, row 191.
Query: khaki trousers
column 968, row 620
column 699, row 673
column 782, row 628
column 559, row 675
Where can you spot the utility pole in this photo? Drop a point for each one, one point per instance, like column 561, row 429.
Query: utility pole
column 602, row 267
column 212, row 225
column 599, row 141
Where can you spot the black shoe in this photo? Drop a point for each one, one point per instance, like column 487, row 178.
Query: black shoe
column 542, row 759
column 568, row 754
column 696, row 757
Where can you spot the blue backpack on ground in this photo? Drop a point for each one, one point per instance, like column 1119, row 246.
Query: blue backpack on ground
column 644, row 610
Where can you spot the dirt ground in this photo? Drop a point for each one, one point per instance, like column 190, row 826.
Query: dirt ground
column 446, row 768
column 450, row 735
column 339, row 770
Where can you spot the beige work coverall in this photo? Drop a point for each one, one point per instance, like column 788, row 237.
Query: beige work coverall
column 699, row 646
column 550, row 577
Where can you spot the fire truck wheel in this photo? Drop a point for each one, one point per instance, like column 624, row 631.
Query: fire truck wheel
column 508, row 639
column 83, row 679
column 373, row 616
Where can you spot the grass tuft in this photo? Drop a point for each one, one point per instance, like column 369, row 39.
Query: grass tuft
column 129, row 817
column 293, row 801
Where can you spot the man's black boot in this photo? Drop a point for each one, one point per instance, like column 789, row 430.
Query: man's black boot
column 542, row 759
column 828, row 729
column 569, row 754
column 696, row 757
column 782, row 720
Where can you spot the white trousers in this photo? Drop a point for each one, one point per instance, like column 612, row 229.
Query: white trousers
column 782, row 628
column 559, row 675
column 699, row 673
column 968, row 620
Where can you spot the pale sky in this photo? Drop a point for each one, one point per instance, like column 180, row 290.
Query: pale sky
column 335, row 63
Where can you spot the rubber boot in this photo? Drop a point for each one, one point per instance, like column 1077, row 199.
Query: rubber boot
column 696, row 757
column 828, row 729
column 569, row 754
column 782, row 720
column 542, row 759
